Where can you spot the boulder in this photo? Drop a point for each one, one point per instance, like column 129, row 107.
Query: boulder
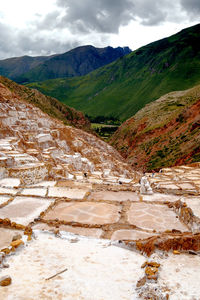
column 5, row 280
column 17, row 243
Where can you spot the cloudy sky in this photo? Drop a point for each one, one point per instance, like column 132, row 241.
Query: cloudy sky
column 44, row 27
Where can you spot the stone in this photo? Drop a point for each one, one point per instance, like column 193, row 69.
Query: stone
column 151, row 273
column 192, row 252
column 144, row 264
column 19, row 227
column 17, row 243
column 29, row 238
column 16, row 237
column 151, row 270
column 6, row 250
column 6, row 222
column 28, row 230
column 153, row 264
column 5, row 280
column 141, row 282
column 6, row 237
column 153, row 277
column 145, row 188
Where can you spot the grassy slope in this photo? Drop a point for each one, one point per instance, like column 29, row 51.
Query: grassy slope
column 164, row 133
column 125, row 86
column 49, row 105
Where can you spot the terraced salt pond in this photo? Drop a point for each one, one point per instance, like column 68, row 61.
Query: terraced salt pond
column 83, row 229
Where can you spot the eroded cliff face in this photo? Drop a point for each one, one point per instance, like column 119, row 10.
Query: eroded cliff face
column 164, row 133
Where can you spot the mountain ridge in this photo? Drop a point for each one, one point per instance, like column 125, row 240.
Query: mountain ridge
column 16, row 66
column 76, row 62
column 123, row 87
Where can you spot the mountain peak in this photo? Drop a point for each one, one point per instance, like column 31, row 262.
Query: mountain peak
column 76, row 62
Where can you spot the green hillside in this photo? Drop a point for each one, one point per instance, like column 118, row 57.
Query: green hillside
column 123, row 87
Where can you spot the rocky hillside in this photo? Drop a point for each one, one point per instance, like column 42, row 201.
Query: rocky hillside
column 76, row 62
column 47, row 104
column 122, row 88
column 163, row 133
column 41, row 146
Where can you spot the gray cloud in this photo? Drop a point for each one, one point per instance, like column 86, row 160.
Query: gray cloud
column 151, row 12
column 107, row 16
column 39, row 44
column 100, row 16
column 6, row 40
column 191, row 6
column 27, row 42
column 79, row 22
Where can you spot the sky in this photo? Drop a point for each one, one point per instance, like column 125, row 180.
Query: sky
column 45, row 27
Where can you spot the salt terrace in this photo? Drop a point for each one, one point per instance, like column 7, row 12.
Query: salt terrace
column 112, row 208
column 73, row 224
column 78, row 219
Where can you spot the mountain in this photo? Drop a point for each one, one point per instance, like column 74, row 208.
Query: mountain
column 164, row 133
column 123, row 87
column 17, row 66
column 49, row 105
column 77, row 62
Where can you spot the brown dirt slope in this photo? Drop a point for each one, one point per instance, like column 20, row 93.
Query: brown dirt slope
column 164, row 133
column 49, row 105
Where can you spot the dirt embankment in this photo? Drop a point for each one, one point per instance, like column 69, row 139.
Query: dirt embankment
column 165, row 133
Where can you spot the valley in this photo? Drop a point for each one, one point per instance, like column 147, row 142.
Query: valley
column 71, row 211
column 125, row 86
column 100, row 173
